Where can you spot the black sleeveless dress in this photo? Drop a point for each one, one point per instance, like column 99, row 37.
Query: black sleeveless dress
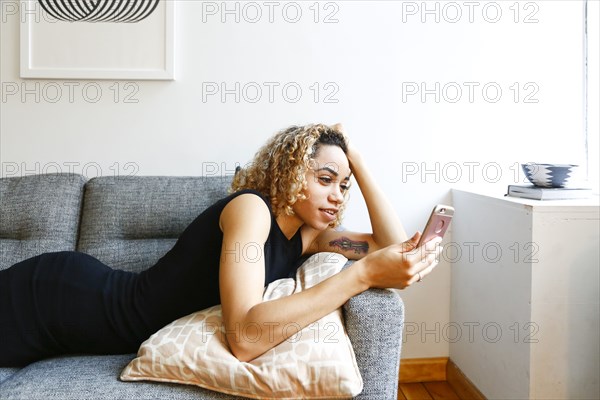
column 70, row 302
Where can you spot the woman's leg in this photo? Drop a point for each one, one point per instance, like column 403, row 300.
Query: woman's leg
column 23, row 338
column 65, row 302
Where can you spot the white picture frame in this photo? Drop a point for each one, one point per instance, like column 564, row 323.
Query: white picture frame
column 54, row 49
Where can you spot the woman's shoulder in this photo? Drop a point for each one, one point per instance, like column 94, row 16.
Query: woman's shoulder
column 245, row 202
column 248, row 191
column 246, row 208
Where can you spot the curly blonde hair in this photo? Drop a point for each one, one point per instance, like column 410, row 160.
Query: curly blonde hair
column 278, row 170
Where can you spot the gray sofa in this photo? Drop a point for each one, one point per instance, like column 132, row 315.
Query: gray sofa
column 129, row 223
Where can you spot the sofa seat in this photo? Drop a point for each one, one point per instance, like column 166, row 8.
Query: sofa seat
column 93, row 377
column 6, row 373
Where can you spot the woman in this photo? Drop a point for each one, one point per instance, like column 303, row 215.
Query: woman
column 286, row 204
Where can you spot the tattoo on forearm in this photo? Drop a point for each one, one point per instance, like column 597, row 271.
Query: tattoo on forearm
column 346, row 244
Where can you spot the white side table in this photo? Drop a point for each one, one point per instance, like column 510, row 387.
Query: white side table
column 524, row 296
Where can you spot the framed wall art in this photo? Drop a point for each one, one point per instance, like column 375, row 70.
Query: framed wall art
column 97, row 39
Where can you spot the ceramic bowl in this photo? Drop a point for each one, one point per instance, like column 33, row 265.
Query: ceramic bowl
column 552, row 175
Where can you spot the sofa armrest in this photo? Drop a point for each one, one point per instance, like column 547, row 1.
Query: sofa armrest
column 374, row 321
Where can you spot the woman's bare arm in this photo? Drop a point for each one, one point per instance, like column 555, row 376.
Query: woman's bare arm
column 245, row 223
column 385, row 224
column 253, row 326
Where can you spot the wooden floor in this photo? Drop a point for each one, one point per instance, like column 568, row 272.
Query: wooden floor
column 426, row 391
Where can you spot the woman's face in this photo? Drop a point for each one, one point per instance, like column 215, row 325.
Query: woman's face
column 327, row 180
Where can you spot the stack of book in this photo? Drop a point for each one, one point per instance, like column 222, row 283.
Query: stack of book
column 543, row 193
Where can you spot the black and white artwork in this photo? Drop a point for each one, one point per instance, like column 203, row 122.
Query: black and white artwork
column 98, row 39
column 99, row 10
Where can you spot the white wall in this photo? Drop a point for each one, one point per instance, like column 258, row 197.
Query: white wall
column 373, row 55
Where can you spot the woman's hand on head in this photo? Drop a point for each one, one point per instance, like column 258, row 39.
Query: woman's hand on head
column 400, row 265
column 352, row 152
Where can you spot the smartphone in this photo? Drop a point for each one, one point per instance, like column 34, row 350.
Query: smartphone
column 438, row 222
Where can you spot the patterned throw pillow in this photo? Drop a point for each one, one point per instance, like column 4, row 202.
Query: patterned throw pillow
column 316, row 362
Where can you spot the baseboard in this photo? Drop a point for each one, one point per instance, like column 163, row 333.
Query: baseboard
column 436, row 369
column 464, row 388
column 423, row 369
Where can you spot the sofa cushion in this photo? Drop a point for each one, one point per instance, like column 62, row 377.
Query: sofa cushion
column 38, row 213
column 130, row 222
column 91, row 377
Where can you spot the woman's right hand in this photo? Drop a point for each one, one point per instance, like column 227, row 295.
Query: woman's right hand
column 400, row 265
